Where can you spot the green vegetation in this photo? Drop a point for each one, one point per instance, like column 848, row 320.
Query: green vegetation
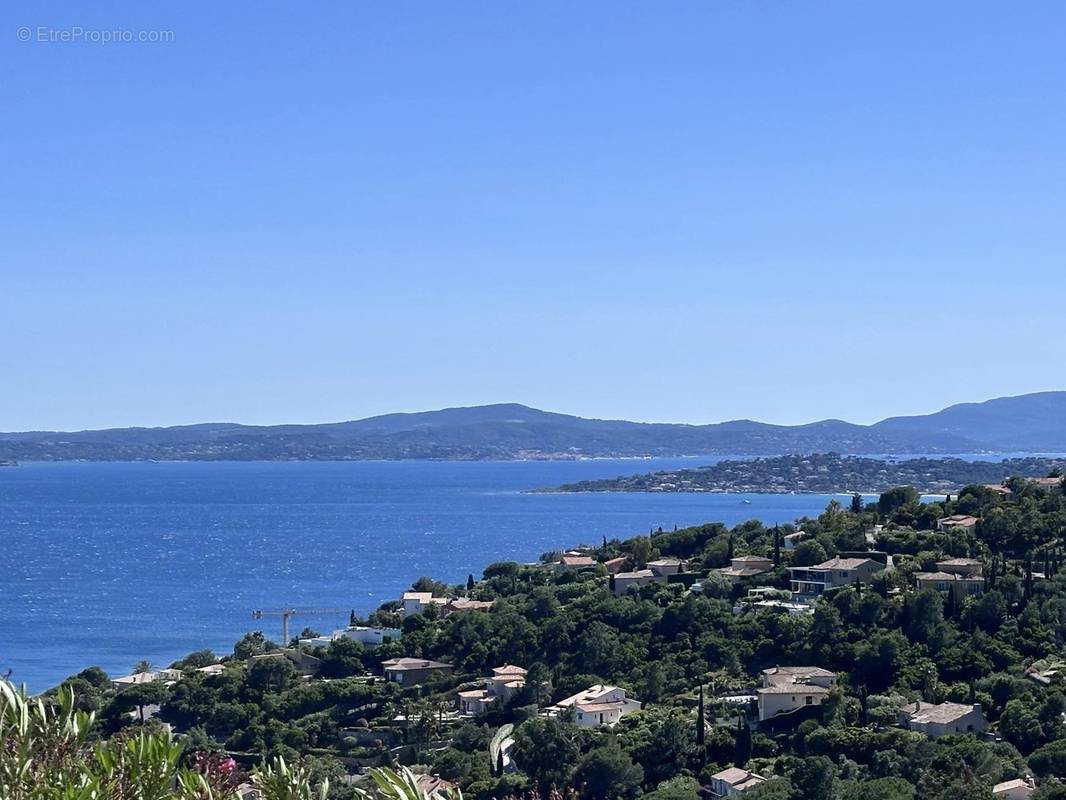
column 825, row 473
column 685, row 654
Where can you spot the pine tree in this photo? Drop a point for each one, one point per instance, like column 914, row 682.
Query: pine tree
column 856, row 503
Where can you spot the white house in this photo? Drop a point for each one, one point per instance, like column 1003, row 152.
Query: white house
column 499, row 687
column 792, row 539
column 415, row 603
column 942, row 719
column 366, row 636
column 628, row 581
column 734, row 781
column 1017, row 789
column 786, row 689
column 597, row 705
column 138, row 678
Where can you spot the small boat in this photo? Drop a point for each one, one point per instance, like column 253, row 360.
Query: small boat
column 745, row 502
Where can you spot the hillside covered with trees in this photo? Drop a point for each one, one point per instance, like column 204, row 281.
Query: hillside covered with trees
column 692, row 650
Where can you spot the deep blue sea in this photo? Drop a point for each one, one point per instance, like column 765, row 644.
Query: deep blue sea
column 109, row 564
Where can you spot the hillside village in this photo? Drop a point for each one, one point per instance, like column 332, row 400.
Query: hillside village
column 893, row 650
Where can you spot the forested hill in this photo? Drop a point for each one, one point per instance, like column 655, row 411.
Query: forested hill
column 826, row 473
column 1028, row 423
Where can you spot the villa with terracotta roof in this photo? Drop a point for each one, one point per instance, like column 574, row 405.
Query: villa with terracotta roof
column 666, row 566
column 500, row 687
column 597, row 705
column 655, row 572
column 942, row 719
column 964, row 521
column 733, row 781
column 576, row 561
column 413, row 671
column 962, row 566
column 616, row 565
column 746, row 567
column 832, row 574
column 1017, row 789
column 786, row 689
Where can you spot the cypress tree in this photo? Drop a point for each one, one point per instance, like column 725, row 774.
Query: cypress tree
column 470, row 582
column 743, row 752
column 777, row 545
column 701, row 734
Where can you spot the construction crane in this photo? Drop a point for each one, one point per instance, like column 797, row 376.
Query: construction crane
column 285, row 613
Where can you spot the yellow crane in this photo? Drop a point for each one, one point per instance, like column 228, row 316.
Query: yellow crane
column 285, row 613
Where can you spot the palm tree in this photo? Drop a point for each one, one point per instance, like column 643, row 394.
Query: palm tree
column 142, row 666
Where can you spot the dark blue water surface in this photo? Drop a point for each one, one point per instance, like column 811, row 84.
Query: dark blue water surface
column 112, row 563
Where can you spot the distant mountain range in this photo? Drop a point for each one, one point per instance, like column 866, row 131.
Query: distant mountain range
column 1027, row 423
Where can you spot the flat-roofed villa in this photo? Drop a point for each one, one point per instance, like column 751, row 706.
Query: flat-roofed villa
column 786, row 689
column 415, row 603
column 366, row 636
column 832, row 574
column 597, row 705
column 499, row 688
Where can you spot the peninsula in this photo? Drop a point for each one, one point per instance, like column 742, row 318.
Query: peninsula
column 826, row 473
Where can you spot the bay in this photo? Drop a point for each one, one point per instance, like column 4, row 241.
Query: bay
column 111, row 563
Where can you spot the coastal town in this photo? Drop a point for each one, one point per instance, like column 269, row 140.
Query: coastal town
column 896, row 649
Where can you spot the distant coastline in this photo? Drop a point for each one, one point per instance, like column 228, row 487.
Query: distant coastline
column 513, row 432
column 828, row 473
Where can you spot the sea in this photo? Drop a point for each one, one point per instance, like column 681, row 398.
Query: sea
column 109, row 564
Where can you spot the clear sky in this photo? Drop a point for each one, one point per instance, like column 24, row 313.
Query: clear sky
column 302, row 212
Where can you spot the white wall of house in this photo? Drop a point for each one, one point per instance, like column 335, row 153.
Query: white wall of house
column 771, row 704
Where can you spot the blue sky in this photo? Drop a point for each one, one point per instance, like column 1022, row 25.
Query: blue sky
column 680, row 212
